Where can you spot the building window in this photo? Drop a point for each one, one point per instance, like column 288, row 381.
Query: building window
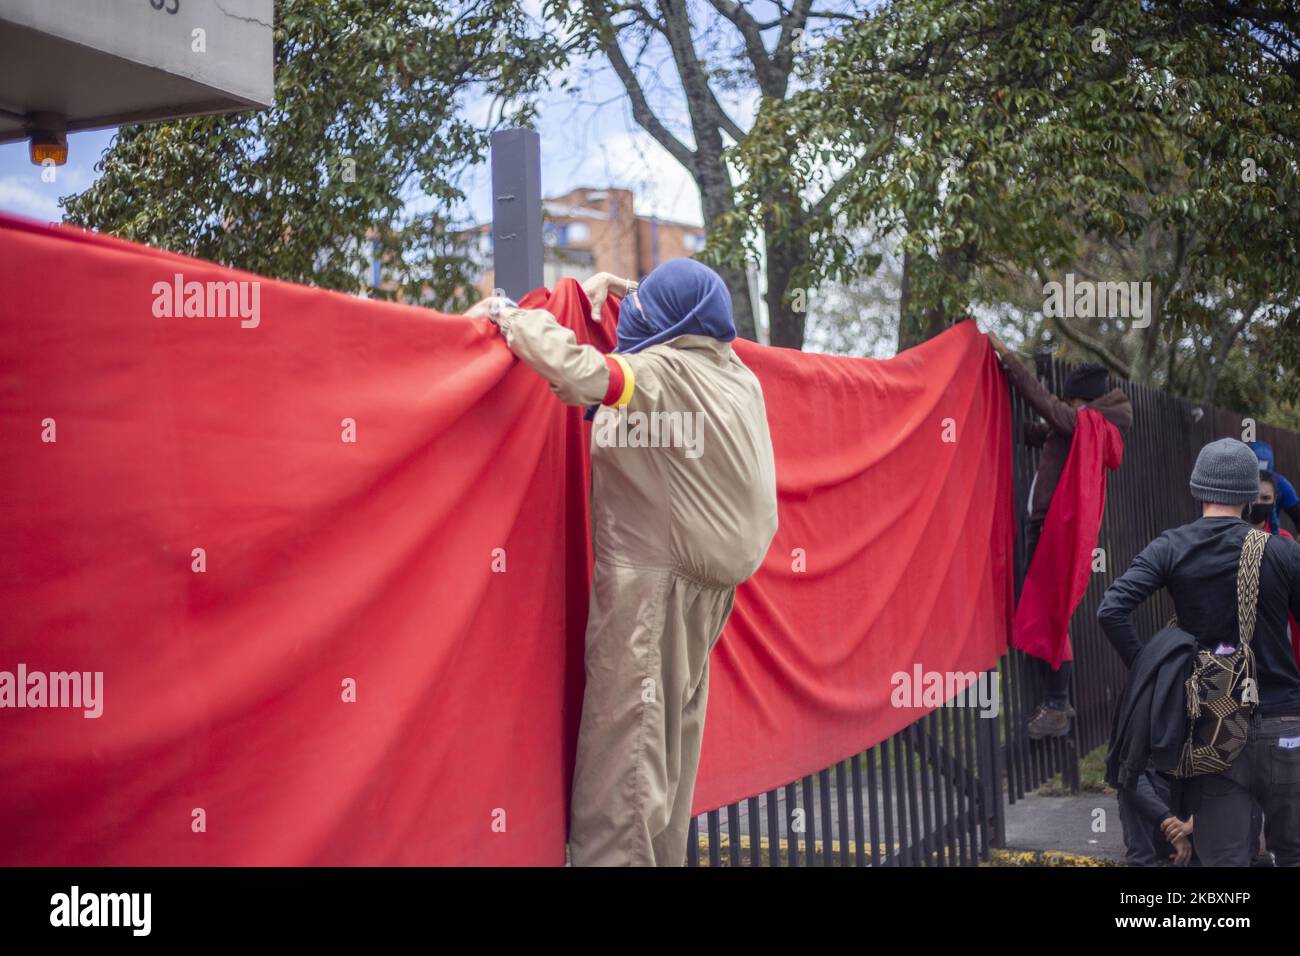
column 693, row 241
column 577, row 232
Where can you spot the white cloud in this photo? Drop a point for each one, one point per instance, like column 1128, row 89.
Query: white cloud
column 28, row 196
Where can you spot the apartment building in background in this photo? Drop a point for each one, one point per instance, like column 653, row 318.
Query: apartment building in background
column 586, row 231
column 596, row 230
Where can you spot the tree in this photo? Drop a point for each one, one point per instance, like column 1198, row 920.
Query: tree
column 367, row 115
column 856, row 318
column 996, row 136
column 722, row 46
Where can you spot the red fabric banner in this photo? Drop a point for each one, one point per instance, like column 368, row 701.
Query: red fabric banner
column 894, row 487
column 330, row 557
column 1064, row 552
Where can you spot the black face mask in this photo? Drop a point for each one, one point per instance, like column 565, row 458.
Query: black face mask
column 1257, row 513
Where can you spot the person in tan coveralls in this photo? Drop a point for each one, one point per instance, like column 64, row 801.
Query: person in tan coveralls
column 678, row 521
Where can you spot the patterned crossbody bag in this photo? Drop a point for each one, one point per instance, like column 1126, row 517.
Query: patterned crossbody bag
column 1219, row 705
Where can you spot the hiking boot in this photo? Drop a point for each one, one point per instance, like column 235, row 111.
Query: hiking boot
column 1049, row 721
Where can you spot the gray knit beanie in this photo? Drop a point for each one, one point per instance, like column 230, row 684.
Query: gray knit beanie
column 1226, row 473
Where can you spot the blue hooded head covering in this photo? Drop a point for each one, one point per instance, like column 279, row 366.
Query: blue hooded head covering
column 1264, row 452
column 679, row 297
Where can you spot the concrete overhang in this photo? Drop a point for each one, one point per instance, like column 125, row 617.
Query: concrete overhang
column 98, row 63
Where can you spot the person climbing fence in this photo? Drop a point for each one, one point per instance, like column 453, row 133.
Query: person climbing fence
column 674, row 534
column 1075, row 459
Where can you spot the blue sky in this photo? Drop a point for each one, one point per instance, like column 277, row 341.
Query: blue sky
column 588, row 136
column 22, row 189
column 588, row 139
column 582, row 145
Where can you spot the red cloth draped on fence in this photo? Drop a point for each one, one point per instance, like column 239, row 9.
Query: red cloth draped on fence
column 331, row 558
column 1062, row 563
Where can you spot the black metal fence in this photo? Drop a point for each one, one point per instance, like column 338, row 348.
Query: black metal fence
column 934, row 794
column 924, row 797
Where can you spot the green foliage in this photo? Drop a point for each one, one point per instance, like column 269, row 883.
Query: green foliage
column 991, row 139
column 368, row 115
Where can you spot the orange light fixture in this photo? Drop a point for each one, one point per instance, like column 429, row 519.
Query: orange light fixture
column 47, row 148
column 49, row 138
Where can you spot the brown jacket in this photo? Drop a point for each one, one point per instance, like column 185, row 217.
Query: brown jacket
column 1056, row 432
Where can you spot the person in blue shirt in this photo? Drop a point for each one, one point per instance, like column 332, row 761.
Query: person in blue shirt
column 1287, row 499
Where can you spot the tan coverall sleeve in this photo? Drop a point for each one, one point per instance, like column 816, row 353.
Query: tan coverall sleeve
column 578, row 374
column 648, row 393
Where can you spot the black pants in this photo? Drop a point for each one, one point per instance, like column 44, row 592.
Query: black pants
column 1144, row 842
column 1267, row 772
column 1056, row 682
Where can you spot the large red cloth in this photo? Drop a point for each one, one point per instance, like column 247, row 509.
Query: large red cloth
column 1062, row 563
column 439, row 563
column 894, row 486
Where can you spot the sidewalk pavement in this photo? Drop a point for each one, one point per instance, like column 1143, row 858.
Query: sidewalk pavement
column 1084, row 825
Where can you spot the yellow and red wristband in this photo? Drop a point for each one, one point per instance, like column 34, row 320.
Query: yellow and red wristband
column 622, row 381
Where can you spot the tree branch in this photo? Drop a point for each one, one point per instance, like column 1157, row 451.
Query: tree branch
column 752, row 34
column 641, row 110
column 1116, row 364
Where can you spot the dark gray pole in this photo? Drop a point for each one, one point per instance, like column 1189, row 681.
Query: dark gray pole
column 517, row 211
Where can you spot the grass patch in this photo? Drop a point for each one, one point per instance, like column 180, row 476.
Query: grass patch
column 1092, row 772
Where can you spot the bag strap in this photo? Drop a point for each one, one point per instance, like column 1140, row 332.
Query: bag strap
column 1252, row 554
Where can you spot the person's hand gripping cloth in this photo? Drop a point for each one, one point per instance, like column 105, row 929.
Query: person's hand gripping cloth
column 1062, row 563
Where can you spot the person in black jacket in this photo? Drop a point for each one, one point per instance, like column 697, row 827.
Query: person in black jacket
column 1146, row 740
column 1149, row 725
column 1197, row 564
column 1153, row 831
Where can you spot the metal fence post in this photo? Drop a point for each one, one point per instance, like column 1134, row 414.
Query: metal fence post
column 993, row 769
column 517, row 211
